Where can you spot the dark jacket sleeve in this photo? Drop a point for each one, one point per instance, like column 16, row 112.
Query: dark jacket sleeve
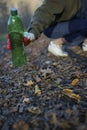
column 45, row 15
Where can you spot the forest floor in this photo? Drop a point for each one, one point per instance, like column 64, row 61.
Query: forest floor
column 47, row 93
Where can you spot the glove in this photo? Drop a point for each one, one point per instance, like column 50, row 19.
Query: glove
column 28, row 37
column 8, row 43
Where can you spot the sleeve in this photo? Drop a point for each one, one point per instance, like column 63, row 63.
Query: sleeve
column 44, row 16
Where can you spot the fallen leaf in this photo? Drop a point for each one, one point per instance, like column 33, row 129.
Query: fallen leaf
column 45, row 73
column 13, row 109
column 20, row 125
column 34, row 110
column 26, row 100
column 71, row 94
column 37, row 90
column 37, row 79
column 67, row 90
column 48, row 71
column 75, row 96
column 29, row 83
column 75, row 82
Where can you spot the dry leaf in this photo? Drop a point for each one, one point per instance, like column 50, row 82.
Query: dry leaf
column 48, row 71
column 13, row 109
column 20, row 125
column 45, row 73
column 37, row 78
column 71, row 94
column 67, row 90
column 29, row 83
column 34, row 110
column 26, row 100
column 75, row 82
column 37, row 90
column 75, row 96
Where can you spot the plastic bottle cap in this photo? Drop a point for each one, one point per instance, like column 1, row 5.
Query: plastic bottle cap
column 13, row 11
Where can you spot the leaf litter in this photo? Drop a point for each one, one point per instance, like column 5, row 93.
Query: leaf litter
column 48, row 93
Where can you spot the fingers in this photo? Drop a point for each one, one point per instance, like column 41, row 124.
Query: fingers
column 30, row 36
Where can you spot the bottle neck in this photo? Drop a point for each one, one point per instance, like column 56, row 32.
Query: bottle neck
column 14, row 11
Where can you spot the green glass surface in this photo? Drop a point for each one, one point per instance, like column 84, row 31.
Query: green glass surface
column 15, row 32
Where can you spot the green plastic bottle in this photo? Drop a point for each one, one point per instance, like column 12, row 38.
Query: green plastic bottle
column 15, row 31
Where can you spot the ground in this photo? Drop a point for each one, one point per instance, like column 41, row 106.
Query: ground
column 47, row 93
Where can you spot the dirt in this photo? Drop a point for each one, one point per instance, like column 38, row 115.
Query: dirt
column 47, row 93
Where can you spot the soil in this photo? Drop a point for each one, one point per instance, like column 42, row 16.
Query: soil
column 47, row 93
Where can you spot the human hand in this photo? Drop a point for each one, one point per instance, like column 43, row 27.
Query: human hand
column 28, row 37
